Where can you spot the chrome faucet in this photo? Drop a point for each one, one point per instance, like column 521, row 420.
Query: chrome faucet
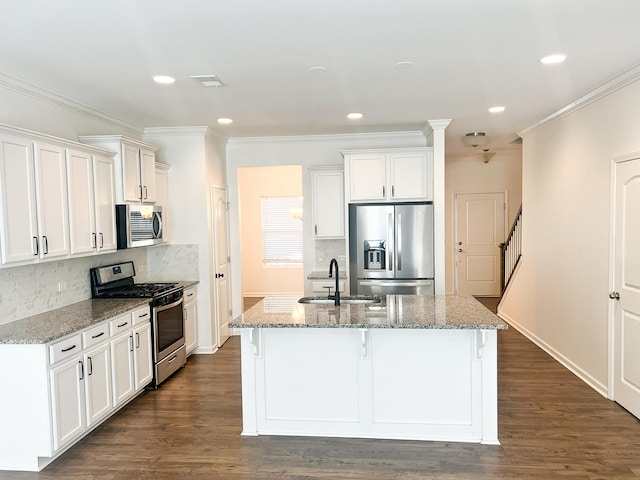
column 336, row 296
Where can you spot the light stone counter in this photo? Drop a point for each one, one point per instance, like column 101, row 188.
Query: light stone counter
column 48, row 326
column 394, row 311
column 324, row 275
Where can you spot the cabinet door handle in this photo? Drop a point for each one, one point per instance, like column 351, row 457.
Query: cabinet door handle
column 35, row 242
column 81, row 370
column 145, row 192
column 101, row 240
column 95, row 242
column 140, row 196
column 143, row 315
column 131, row 343
column 68, row 349
column 90, row 361
column 137, row 340
column 383, row 191
column 98, row 335
column 190, row 295
column 122, row 324
column 393, row 191
column 46, row 244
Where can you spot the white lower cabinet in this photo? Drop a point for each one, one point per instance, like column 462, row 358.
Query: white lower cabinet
column 97, row 364
column 67, row 401
column 143, row 365
column 122, row 368
column 190, row 319
column 74, row 384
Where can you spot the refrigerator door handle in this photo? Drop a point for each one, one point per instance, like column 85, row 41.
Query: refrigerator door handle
column 399, row 241
column 382, row 283
column 391, row 249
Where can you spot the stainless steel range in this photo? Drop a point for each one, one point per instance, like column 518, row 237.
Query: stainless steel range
column 167, row 323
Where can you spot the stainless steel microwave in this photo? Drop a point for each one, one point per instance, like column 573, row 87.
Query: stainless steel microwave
column 138, row 225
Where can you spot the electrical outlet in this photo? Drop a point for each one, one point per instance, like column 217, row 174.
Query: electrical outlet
column 62, row 286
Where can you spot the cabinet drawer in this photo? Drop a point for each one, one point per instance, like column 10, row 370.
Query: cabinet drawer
column 120, row 324
column 320, row 286
column 65, row 348
column 141, row 315
column 95, row 335
column 189, row 294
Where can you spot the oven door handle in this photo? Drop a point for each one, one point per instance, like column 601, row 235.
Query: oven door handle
column 171, row 305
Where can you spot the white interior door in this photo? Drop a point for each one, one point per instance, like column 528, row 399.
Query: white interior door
column 626, row 323
column 221, row 259
column 479, row 233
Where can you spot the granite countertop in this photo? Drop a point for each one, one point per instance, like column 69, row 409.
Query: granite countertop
column 394, row 311
column 323, row 275
column 48, row 326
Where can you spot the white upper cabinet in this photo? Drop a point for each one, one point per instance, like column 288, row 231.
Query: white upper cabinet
column 105, row 195
column 328, row 204
column 368, row 176
column 393, row 175
column 19, row 228
column 33, row 195
column 134, row 164
column 56, row 198
column 51, row 199
column 91, row 202
column 82, row 222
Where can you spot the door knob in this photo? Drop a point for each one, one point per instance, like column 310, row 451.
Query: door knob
column 614, row 296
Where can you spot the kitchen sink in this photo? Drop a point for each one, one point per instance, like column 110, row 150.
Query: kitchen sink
column 345, row 300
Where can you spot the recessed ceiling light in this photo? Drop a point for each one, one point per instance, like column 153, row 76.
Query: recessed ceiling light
column 401, row 65
column 318, row 69
column 225, row 121
column 355, row 116
column 555, row 58
column 497, row 109
column 164, row 79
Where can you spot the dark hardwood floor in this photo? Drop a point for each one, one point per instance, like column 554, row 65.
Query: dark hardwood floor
column 551, row 426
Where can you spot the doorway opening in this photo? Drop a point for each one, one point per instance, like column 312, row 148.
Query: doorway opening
column 271, row 231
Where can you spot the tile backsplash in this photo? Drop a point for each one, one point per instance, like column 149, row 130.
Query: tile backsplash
column 173, row 262
column 32, row 289
column 328, row 249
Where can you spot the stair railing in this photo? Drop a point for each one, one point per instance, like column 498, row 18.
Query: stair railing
column 511, row 251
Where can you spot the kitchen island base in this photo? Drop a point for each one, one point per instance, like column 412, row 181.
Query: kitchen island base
column 413, row 384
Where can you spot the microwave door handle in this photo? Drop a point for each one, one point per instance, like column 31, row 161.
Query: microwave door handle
column 157, row 232
column 390, row 250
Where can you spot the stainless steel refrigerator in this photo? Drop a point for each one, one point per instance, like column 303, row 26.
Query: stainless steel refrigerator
column 391, row 249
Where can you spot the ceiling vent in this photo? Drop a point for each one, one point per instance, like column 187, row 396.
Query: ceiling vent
column 208, row 80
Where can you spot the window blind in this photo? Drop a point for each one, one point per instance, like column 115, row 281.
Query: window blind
column 282, row 243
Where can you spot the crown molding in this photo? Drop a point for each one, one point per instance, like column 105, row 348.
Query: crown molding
column 203, row 131
column 409, row 135
column 45, row 96
column 628, row 76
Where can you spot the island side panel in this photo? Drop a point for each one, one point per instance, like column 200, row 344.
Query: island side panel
column 249, row 352
column 488, row 352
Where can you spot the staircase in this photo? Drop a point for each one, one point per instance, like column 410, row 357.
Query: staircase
column 511, row 251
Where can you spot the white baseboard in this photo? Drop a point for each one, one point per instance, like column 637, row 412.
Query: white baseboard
column 564, row 361
column 205, row 350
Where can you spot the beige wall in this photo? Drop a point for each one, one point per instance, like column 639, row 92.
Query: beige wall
column 470, row 174
column 254, row 183
column 558, row 296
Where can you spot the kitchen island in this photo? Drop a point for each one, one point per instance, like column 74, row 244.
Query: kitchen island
column 410, row 367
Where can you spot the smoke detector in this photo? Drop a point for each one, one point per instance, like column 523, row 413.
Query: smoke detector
column 208, row 80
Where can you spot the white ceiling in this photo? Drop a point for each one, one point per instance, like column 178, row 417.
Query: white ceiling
column 468, row 55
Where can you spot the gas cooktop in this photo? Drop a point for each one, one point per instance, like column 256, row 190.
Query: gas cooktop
column 116, row 281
